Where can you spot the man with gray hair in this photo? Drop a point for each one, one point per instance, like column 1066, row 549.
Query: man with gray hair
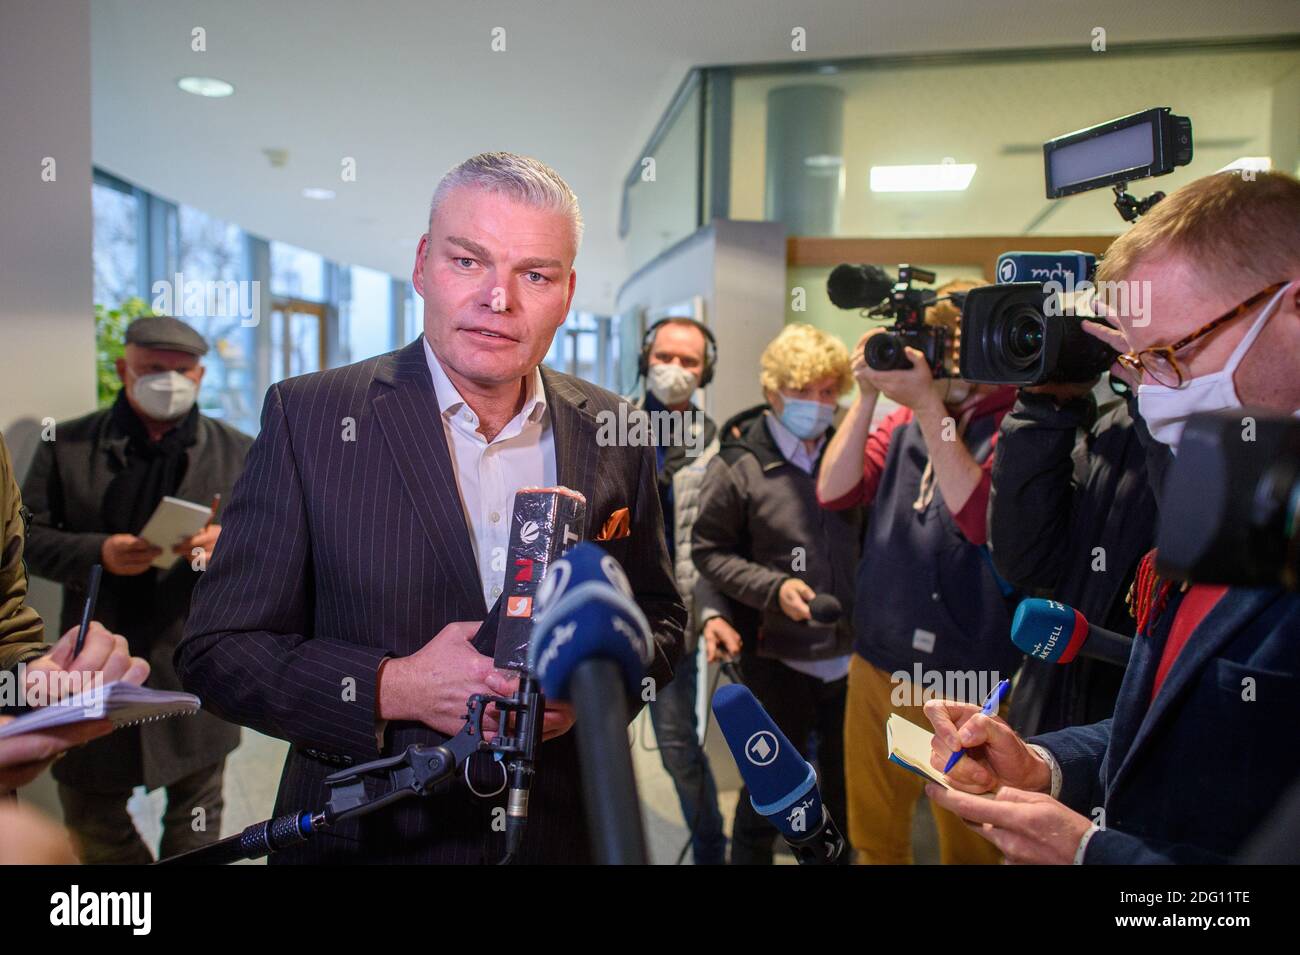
column 367, row 538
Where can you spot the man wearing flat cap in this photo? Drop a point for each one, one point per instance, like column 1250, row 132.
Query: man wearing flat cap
column 91, row 491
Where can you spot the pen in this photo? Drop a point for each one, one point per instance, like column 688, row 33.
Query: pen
column 212, row 515
column 988, row 709
column 92, row 595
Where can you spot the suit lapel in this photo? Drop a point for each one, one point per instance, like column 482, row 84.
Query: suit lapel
column 1221, row 624
column 408, row 415
column 574, row 430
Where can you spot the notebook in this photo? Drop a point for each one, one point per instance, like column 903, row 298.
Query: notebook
column 172, row 521
column 909, row 747
column 124, row 703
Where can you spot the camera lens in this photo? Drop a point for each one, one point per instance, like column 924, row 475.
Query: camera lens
column 885, row 352
column 1021, row 338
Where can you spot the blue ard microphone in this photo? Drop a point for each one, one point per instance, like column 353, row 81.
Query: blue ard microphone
column 590, row 647
column 1054, row 632
column 782, row 784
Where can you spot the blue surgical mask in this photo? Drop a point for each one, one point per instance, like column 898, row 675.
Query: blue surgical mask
column 806, row 419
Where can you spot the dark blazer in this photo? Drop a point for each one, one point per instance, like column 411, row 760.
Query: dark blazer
column 345, row 542
column 1190, row 777
column 65, row 490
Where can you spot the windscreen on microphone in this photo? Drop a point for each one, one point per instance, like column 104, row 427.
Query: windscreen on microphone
column 781, row 782
column 825, row 608
column 1048, row 630
column 858, row 286
column 585, row 612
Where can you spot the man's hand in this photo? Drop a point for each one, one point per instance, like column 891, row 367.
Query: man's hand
column 1115, row 339
column 858, row 363
column 104, row 656
column 558, row 718
column 995, row 754
column 432, row 685
column 910, row 387
column 721, row 640
column 24, row 757
column 204, row 540
column 1029, row 828
column 28, row 837
column 557, row 721
column 794, row 596
column 127, row 555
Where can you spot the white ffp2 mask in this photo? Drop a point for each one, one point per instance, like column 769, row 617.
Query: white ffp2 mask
column 1166, row 410
column 165, row 396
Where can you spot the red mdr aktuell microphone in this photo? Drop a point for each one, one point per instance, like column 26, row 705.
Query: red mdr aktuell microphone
column 1056, row 633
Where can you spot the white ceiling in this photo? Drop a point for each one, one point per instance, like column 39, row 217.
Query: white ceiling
column 409, row 88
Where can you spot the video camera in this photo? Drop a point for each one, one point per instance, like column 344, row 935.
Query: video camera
column 1230, row 510
column 870, row 287
column 1027, row 329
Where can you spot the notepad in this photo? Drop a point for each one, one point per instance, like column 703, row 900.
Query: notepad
column 124, row 703
column 172, row 521
column 909, row 747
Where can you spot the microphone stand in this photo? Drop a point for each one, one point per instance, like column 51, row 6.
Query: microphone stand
column 420, row 770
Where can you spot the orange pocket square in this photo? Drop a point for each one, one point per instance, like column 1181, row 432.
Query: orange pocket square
column 618, row 524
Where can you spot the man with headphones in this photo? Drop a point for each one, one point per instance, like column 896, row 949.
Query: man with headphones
column 678, row 356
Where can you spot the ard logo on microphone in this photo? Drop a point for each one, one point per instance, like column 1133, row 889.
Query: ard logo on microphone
column 761, row 748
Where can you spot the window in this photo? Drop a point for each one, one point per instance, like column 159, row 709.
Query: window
column 586, row 346
column 219, row 301
column 366, row 314
column 297, row 273
column 116, row 252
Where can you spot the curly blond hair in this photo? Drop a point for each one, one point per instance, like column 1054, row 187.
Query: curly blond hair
column 802, row 354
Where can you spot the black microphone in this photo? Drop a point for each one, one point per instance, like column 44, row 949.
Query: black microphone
column 546, row 521
column 858, row 286
column 782, row 784
column 825, row 608
column 591, row 646
column 1051, row 631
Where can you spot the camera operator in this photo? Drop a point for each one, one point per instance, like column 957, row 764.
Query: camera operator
column 926, row 596
column 1199, row 748
column 1071, row 513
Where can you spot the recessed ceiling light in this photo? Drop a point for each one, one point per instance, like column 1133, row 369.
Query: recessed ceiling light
column 936, row 177
column 311, row 192
column 205, row 86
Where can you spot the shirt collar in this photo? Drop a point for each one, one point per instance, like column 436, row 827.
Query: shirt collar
column 789, row 443
column 450, row 401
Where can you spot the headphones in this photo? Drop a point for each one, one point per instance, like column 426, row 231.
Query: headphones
column 710, row 346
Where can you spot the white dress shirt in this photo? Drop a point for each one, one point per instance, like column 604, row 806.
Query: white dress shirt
column 489, row 473
column 796, row 452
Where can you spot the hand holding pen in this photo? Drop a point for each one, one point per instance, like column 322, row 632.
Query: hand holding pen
column 991, row 704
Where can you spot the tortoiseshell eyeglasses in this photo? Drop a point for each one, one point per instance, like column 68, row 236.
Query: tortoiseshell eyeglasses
column 1159, row 361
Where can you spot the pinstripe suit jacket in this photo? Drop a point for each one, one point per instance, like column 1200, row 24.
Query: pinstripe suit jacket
column 345, row 542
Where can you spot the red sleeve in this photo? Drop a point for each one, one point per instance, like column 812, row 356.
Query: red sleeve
column 873, row 465
column 972, row 519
